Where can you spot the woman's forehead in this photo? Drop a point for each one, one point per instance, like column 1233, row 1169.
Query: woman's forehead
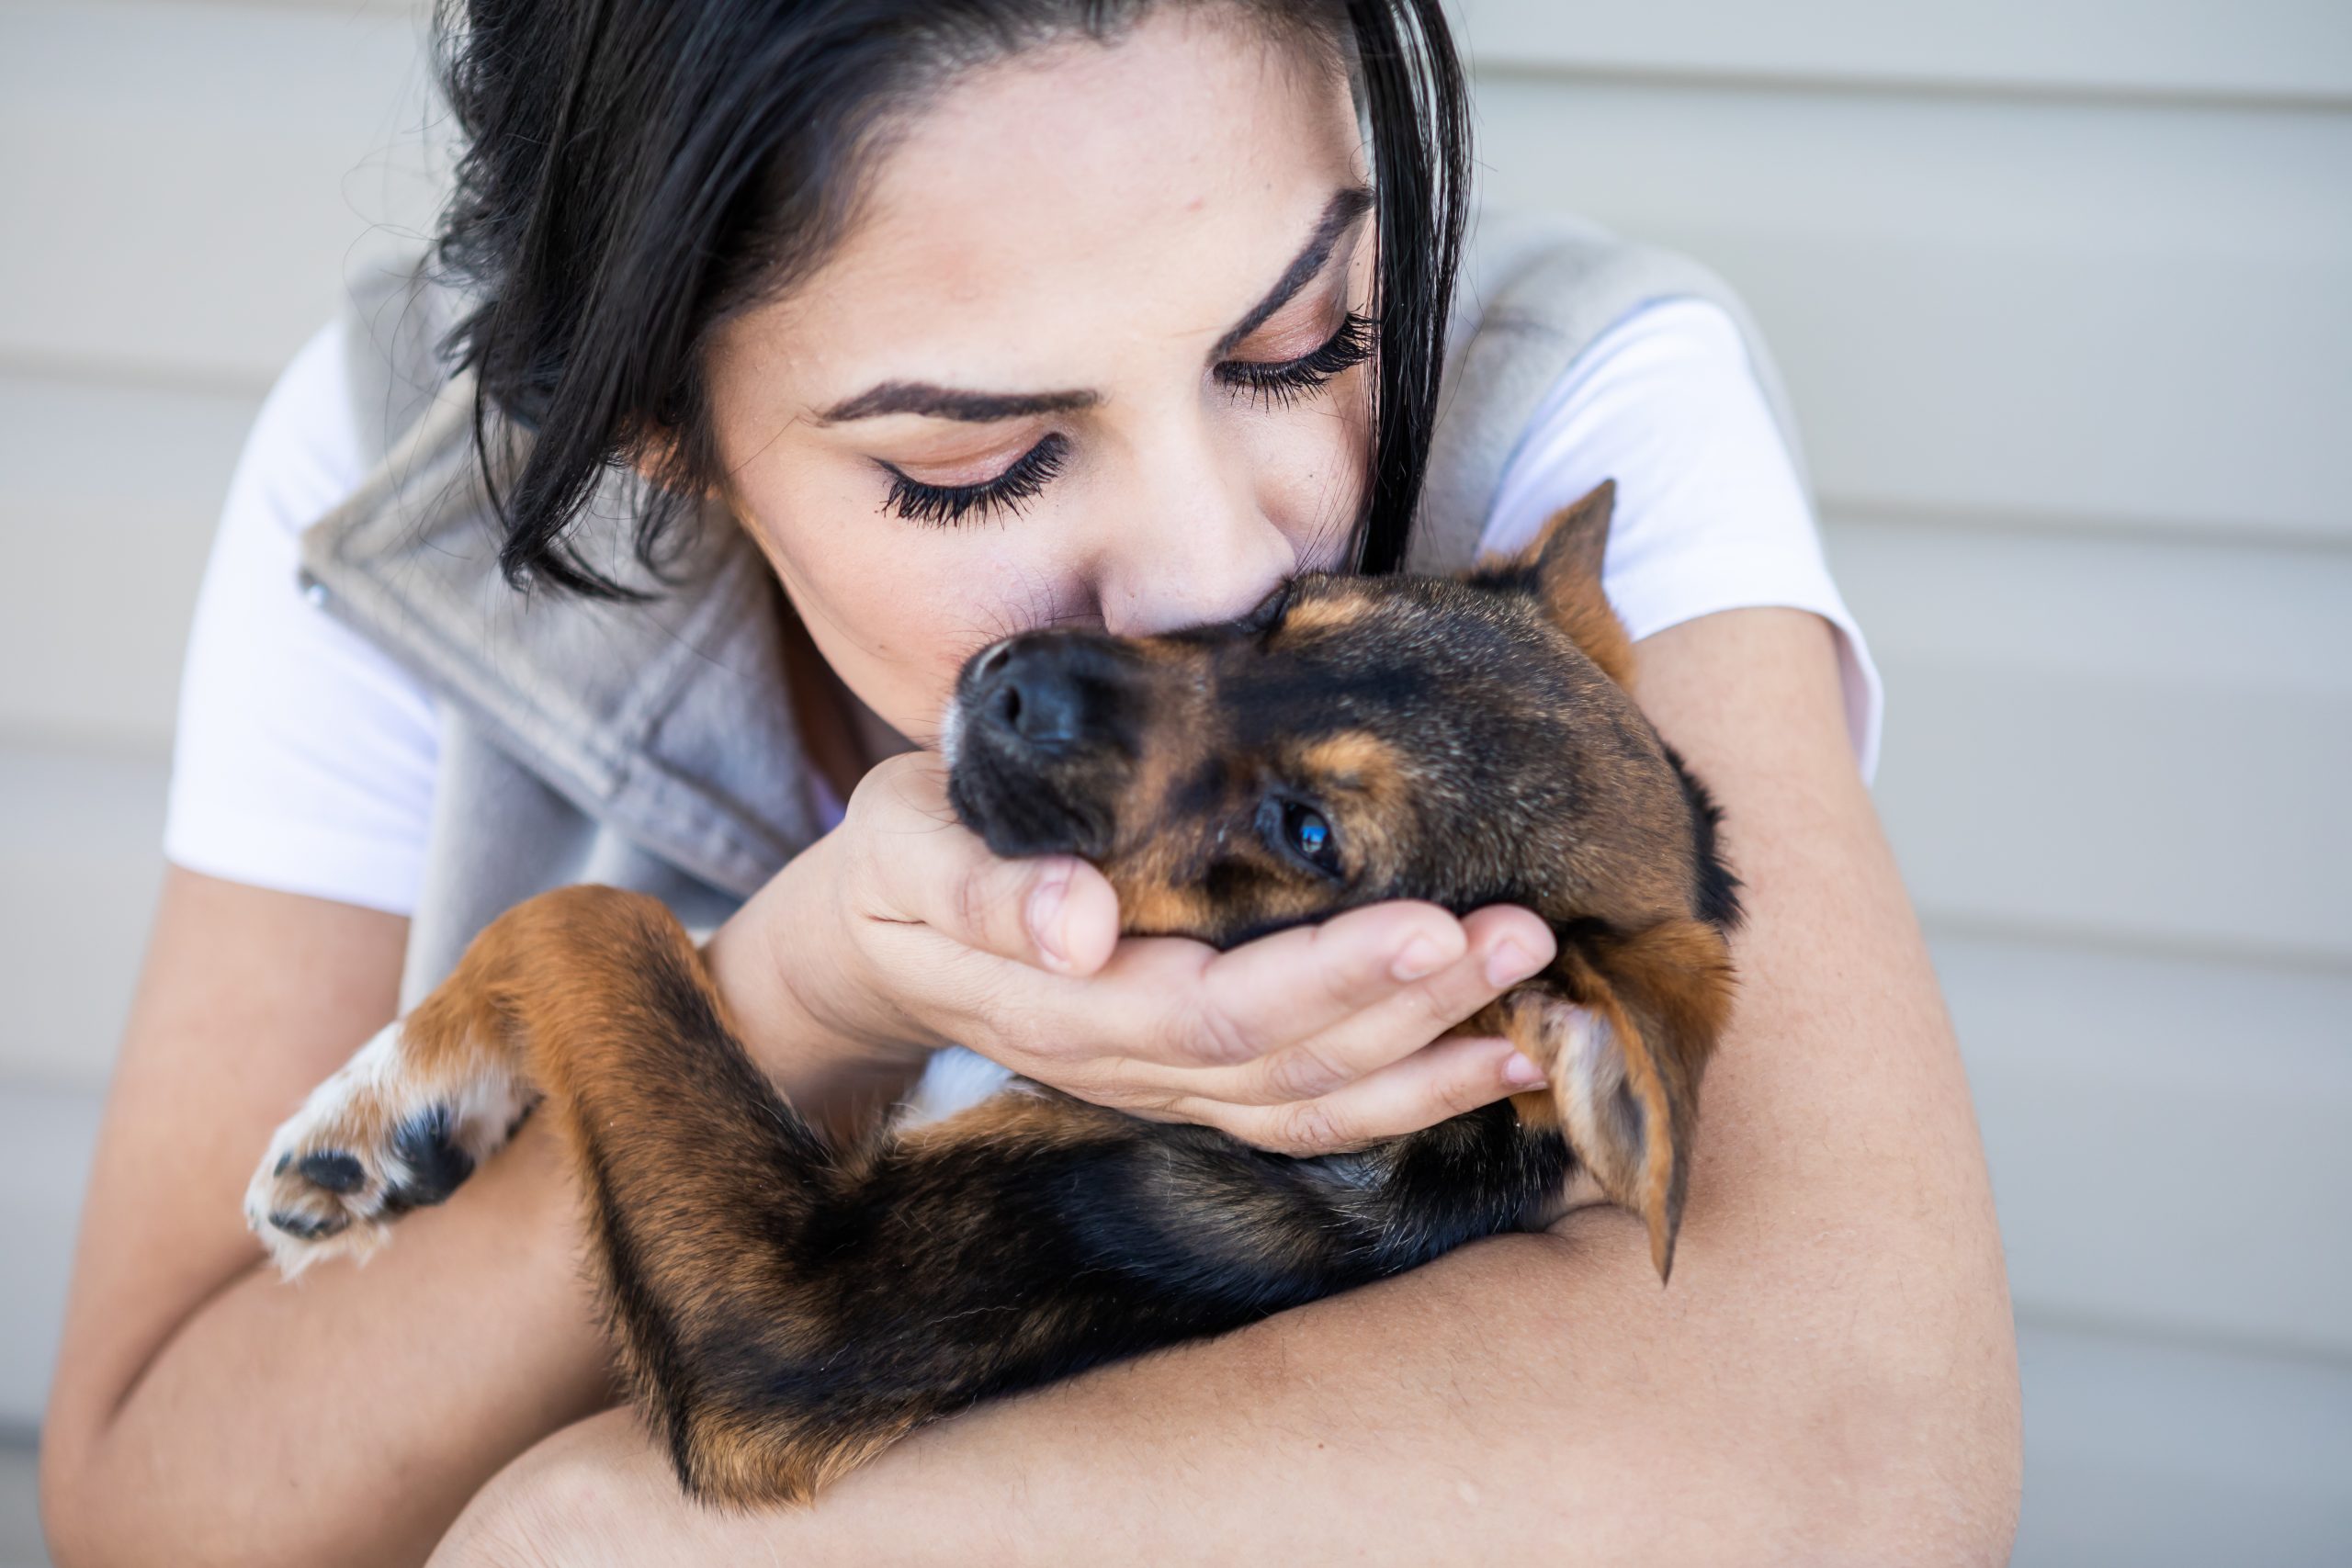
column 1074, row 204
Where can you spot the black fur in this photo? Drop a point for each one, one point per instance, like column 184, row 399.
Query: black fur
column 1716, row 891
column 436, row 1165
column 880, row 1289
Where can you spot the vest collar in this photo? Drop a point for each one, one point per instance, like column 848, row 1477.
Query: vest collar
column 671, row 721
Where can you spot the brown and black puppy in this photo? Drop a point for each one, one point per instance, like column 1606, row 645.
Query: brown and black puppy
column 786, row 1309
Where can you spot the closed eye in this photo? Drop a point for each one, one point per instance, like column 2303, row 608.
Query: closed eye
column 1007, row 492
column 1283, row 384
column 1269, row 613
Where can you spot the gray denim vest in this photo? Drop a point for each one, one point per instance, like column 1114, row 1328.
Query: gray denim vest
column 654, row 746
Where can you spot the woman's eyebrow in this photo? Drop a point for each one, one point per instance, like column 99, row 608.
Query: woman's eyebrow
column 1345, row 209
column 946, row 402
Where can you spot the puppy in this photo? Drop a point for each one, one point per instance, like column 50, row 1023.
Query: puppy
column 785, row 1309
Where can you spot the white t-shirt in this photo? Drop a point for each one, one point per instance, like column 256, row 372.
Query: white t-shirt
column 306, row 758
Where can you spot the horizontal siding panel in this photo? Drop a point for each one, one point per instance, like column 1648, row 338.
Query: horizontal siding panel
column 2168, row 611
column 2297, row 48
column 2174, row 1456
column 2289, row 49
column 46, row 1139
column 203, row 192
column 2130, row 315
column 113, row 496
column 81, row 858
column 2140, row 740
column 2119, row 315
column 2165, row 1137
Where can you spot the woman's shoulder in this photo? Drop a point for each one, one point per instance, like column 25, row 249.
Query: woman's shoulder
column 1713, row 510
column 304, row 453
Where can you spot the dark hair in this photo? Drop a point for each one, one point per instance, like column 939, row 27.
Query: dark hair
column 636, row 171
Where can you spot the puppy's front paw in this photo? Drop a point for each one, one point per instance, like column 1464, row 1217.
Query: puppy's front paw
column 374, row 1141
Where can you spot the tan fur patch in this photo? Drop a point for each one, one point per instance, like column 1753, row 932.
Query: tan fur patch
column 1358, row 760
column 1160, row 908
column 1567, row 556
column 1324, row 613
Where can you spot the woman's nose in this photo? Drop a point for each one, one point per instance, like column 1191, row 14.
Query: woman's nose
column 1208, row 553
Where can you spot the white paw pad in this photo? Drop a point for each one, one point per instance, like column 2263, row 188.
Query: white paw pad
column 371, row 1143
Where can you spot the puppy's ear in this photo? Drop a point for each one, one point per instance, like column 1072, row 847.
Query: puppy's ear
column 1625, row 1029
column 1566, row 560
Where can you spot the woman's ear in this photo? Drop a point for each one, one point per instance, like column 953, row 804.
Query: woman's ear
column 1564, row 562
column 653, row 453
column 1625, row 1026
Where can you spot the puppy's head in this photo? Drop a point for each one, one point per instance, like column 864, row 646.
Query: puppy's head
column 1462, row 740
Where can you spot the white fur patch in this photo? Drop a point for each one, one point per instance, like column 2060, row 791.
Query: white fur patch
column 951, row 733
column 953, row 1079
column 1588, row 1070
column 359, row 1111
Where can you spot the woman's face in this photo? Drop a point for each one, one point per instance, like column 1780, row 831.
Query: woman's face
column 1086, row 358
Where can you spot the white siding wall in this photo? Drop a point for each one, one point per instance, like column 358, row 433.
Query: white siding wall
column 182, row 184
column 2064, row 290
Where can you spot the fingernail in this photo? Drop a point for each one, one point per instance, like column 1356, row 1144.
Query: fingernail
column 1045, row 904
column 1510, row 962
column 1520, row 1069
column 1417, row 960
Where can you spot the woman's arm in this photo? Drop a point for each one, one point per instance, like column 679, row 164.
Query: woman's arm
column 1830, row 1376
column 205, row 1412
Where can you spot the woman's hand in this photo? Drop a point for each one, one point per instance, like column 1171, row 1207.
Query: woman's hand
column 900, row 931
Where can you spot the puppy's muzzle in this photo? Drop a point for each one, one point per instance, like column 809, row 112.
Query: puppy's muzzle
column 1031, row 694
column 1045, row 727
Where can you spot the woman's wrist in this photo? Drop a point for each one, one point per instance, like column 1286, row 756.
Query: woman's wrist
column 764, row 960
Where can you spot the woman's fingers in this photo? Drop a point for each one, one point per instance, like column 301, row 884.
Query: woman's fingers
column 1308, row 1040
column 1439, row 1081
column 1052, row 913
column 1272, row 993
column 1501, row 947
column 1295, row 1016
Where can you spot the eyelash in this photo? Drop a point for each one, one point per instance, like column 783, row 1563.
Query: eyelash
column 1283, row 385
column 943, row 506
column 1274, row 386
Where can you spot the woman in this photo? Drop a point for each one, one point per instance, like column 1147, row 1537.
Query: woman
column 949, row 319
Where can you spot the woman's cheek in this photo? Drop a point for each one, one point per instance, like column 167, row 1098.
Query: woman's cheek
column 907, row 619
column 1308, row 466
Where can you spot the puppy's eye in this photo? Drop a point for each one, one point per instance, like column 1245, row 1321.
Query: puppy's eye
column 1269, row 613
column 1303, row 832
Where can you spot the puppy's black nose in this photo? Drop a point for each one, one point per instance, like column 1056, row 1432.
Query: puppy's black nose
column 1030, row 691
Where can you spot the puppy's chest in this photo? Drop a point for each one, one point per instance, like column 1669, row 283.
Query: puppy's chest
column 954, row 1079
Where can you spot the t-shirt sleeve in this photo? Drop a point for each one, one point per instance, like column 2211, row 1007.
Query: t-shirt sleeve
column 1711, row 513
column 304, row 758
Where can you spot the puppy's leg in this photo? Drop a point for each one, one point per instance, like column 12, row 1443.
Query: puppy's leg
column 783, row 1331
column 397, row 1127
column 785, row 1312
column 432, row 1096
